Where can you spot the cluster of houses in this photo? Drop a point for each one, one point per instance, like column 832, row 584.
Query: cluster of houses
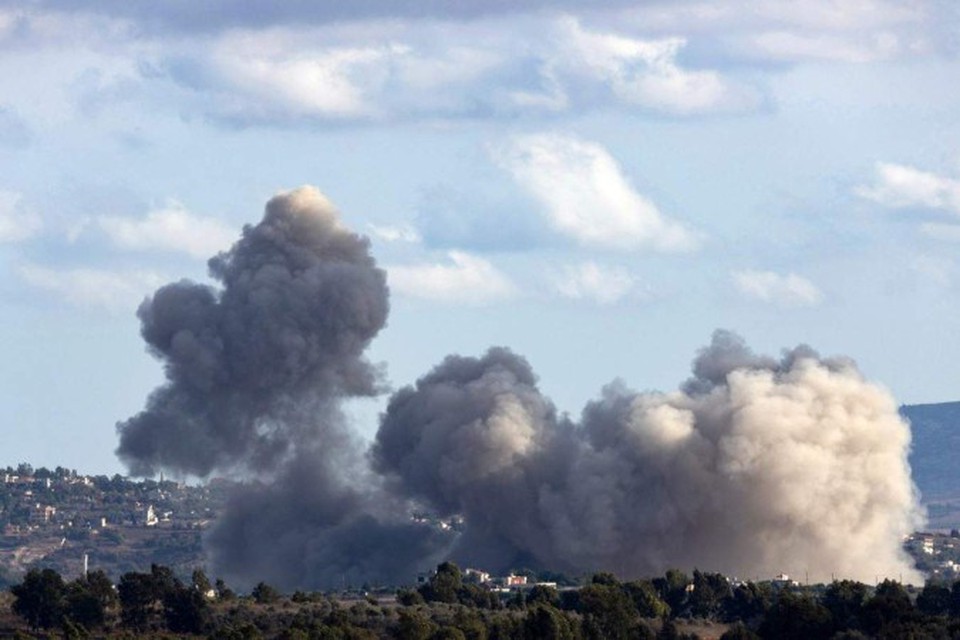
column 67, row 502
column 55, row 517
column 70, row 502
column 936, row 554
column 510, row 583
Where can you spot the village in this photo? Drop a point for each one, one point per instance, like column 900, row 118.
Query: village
column 61, row 519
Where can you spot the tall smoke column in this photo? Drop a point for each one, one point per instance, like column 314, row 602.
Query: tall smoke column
column 256, row 370
column 755, row 467
column 301, row 299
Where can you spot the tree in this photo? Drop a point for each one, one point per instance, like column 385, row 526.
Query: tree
column 137, row 592
column 223, row 591
column 672, row 588
column 83, row 606
column 164, row 580
column 185, row 610
column 409, row 597
column 543, row 595
column 40, row 598
column 505, row 628
column 472, row 595
column 795, row 617
column 444, row 585
column 955, row 599
column 608, row 612
column 546, row 622
column 749, row 602
column 844, row 599
column 605, row 578
column 934, row 600
column 263, row 593
column 646, row 599
column 200, row 581
column 413, row 625
column 470, row 622
column 890, row 605
column 100, row 585
column 710, row 591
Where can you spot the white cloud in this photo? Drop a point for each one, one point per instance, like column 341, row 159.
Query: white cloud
column 788, row 290
column 899, row 186
column 812, row 31
column 464, row 279
column 584, row 195
column 302, row 66
column 412, row 69
column 263, row 72
column 395, row 233
column 646, row 73
column 17, row 223
column 114, row 291
column 345, row 73
column 590, row 281
column 171, row 228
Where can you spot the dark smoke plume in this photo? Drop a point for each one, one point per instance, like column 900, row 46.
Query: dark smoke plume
column 753, row 467
column 256, row 370
column 300, row 300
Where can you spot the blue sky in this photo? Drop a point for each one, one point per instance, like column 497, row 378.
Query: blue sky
column 598, row 189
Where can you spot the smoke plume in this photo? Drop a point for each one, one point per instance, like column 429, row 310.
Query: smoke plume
column 753, row 467
column 256, row 370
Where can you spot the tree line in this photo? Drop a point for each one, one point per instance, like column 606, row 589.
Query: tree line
column 449, row 607
column 140, row 602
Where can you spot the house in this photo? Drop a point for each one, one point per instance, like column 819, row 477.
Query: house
column 476, row 576
column 42, row 514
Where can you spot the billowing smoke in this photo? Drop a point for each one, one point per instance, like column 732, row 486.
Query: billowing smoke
column 753, row 467
column 256, row 370
column 301, row 299
column 756, row 467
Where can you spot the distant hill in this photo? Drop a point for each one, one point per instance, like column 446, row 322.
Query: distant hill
column 935, row 459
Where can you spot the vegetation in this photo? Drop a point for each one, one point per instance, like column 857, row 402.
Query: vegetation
column 673, row 606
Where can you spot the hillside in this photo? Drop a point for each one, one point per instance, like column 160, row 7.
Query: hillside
column 54, row 518
column 936, row 468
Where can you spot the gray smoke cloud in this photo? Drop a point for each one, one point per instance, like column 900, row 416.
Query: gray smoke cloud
column 256, row 370
column 753, row 467
column 300, row 299
column 317, row 527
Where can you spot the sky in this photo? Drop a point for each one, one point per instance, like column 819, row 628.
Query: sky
column 598, row 186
